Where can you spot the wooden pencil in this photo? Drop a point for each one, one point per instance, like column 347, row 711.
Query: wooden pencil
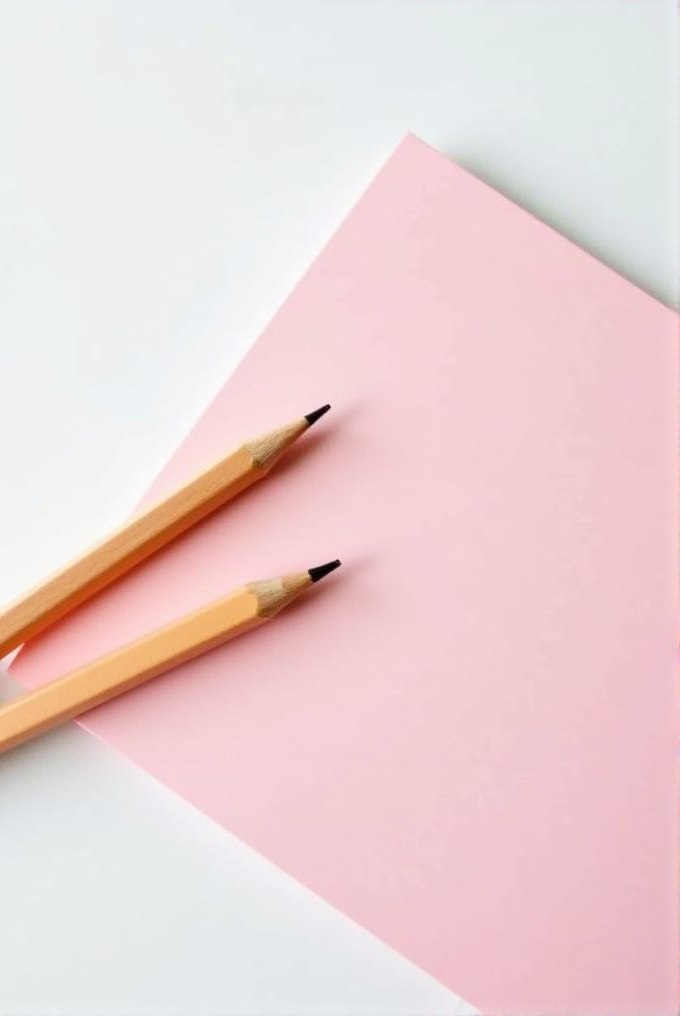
column 28, row 715
column 144, row 535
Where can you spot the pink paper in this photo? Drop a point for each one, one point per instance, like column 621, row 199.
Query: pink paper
column 464, row 739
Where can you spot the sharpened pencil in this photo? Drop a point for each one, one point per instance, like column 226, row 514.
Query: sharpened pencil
column 37, row 711
column 144, row 535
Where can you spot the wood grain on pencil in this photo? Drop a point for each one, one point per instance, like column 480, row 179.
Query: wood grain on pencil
column 146, row 534
column 38, row 711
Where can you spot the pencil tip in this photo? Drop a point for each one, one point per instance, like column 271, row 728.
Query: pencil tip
column 317, row 414
column 323, row 569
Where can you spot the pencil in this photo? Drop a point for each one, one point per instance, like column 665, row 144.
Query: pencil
column 144, row 535
column 35, row 712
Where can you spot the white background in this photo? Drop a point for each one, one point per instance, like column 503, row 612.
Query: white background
column 167, row 170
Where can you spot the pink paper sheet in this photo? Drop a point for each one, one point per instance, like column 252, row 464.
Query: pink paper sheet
column 464, row 739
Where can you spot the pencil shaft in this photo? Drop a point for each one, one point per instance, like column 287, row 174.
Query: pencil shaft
column 125, row 548
column 41, row 710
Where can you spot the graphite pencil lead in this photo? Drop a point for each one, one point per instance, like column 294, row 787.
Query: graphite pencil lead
column 317, row 414
column 323, row 569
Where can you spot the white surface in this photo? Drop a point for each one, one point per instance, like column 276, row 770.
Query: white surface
column 166, row 172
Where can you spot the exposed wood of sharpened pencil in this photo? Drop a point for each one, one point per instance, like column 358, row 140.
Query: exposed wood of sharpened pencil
column 144, row 535
column 37, row 711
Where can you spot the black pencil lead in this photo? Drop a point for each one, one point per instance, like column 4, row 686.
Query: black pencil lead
column 323, row 569
column 317, row 414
